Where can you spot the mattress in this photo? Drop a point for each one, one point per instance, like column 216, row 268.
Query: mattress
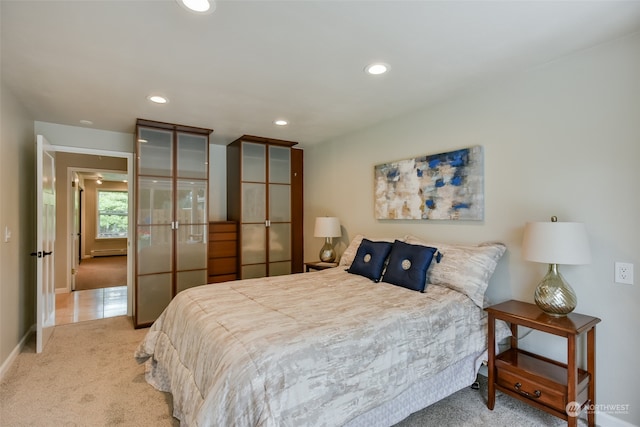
column 312, row 349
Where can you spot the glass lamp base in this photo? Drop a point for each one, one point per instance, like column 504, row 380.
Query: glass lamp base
column 554, row 295
column 327, row 254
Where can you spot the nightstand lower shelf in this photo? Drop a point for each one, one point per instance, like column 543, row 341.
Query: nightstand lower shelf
column 538, row 381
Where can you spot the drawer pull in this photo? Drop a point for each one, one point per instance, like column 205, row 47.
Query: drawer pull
column 536, row 393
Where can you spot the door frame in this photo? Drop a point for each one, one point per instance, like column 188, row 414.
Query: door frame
column 131, row 208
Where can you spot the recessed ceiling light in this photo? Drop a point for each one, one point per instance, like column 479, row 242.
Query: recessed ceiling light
column 281, row 122
column 377, row 68
column 202, row 7
column 86, row 122
column 157, row 99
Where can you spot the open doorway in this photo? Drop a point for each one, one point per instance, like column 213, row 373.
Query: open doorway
column 88, row 230
column 98, row 203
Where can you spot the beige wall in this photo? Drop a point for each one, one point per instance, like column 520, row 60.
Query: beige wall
column 17, row 206
column 562, row 139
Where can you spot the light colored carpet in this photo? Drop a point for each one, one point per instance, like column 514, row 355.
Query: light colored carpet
column 87, row 377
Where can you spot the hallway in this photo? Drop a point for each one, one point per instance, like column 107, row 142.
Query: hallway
column 91, row 304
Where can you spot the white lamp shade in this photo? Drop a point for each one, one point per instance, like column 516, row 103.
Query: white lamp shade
column 556, row 243
column 327, row 226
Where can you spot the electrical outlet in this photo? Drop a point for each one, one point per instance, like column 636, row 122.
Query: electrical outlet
column 624, row 273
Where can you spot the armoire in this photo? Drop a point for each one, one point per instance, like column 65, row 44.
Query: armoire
column 171, row 193
column 265, row 199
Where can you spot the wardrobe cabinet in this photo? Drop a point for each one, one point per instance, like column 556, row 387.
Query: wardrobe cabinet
column 264, row 196
column 171, row 214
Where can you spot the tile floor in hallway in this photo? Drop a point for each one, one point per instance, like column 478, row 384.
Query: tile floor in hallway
column 91, row 304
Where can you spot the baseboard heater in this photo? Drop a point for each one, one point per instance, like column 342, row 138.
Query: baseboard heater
column 108, row 252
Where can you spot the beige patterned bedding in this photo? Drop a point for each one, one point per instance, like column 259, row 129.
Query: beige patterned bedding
column 310, row 349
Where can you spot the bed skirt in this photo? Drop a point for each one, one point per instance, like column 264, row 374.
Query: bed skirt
column 422, row 394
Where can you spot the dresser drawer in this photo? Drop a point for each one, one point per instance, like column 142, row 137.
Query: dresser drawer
column 219, row 266
column 223, row 227
column 534, row 390
column 223, row 249
column 223, row 278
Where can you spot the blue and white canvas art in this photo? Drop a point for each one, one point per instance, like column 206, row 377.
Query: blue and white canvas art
column 447, row 186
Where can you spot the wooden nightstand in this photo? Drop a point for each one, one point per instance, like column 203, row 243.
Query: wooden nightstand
column 544, row 383
column 319, row 265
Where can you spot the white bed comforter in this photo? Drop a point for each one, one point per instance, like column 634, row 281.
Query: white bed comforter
column 310, row 349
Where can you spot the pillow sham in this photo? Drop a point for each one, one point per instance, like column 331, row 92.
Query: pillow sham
column 408, row 264
column 370, row 258
column 350, row 253
column 466, row 269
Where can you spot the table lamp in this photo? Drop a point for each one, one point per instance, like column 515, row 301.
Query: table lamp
column 555, row 243
column 327, row 227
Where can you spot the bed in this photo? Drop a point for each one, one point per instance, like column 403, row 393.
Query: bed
column 325, row 348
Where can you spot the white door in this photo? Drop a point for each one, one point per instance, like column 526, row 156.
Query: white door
column 46, row 236
column 75, row 229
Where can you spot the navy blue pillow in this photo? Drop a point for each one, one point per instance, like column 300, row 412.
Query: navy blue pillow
column 408, row 265
column 370, row 258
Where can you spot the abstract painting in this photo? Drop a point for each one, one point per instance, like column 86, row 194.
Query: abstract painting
column 447, row 186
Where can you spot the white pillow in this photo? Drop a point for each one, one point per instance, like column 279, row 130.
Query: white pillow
column 350, row 253
column 466, row 269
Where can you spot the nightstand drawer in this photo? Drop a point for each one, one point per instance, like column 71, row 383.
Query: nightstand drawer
column 531, row 389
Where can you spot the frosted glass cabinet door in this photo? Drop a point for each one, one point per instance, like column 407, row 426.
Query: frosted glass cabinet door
column 154, row 294
column 192, row 156
column 155, row 152
column 191, row 202
column 190, row 279
column 254, row 203
column 254, row 243
column 191, row 247
column 279, row 164
column 253, row 271
column 254, row 162
column 279, row 203
column 279, row 242
column 155, row 249
column 155, row 201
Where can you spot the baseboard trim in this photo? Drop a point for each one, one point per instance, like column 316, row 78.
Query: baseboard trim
column 6, row 365
column 604, row 419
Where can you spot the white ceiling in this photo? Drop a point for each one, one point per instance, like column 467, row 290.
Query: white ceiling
column 251, row 62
